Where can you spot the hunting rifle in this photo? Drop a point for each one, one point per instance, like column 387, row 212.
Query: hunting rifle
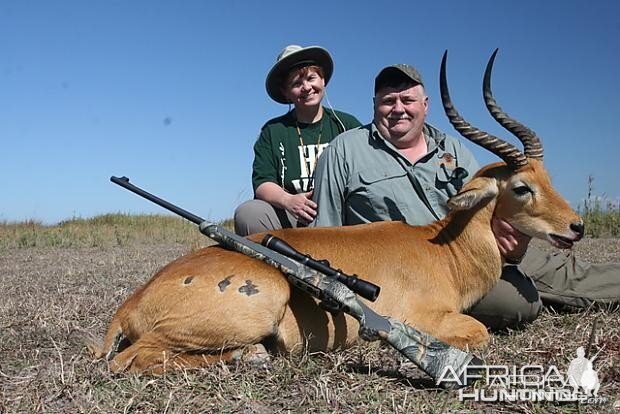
column 337, row 292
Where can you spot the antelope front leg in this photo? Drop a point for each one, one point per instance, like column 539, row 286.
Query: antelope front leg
column 462, row 331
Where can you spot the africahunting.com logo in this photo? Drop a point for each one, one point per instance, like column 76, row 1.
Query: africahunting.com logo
column 498, row 383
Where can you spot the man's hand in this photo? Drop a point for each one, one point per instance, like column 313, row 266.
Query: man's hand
column 511, row 242
column 301, row 207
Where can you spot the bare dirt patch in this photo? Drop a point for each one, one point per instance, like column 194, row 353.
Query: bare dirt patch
column 53, row 297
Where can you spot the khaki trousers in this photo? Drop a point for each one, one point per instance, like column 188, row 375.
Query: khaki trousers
column 257, row 216
column 558, row 279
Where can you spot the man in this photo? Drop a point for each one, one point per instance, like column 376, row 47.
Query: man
column 401, row 168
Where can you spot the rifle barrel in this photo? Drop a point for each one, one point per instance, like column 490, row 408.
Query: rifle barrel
column 124, row 182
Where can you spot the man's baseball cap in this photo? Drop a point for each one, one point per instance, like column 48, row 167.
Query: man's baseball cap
column 399, row 70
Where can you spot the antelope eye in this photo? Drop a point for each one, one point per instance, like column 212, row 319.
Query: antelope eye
column 522, row 190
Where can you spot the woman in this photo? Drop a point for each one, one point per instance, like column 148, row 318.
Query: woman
column 288, row 147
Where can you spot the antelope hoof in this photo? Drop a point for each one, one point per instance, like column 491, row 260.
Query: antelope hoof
column 252, row 354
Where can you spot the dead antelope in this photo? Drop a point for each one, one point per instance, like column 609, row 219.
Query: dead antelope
column 217, row 304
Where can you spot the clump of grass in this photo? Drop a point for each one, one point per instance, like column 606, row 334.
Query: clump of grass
column 602, row 221
column 600, row 214
column 106, row 230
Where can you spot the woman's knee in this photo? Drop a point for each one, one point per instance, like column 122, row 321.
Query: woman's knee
column 255, row 216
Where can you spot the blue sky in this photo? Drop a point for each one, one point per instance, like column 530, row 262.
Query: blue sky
column 171, row 93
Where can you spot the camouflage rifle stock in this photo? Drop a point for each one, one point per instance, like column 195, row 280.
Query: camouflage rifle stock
column 428, row 353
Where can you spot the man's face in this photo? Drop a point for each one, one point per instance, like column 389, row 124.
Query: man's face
column 400, row 113
column 304, row 88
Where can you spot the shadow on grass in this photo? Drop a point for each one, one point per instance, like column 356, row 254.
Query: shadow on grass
column 419, row 380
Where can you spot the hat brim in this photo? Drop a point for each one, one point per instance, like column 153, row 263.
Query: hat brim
column 313, row 55
column 405, row 71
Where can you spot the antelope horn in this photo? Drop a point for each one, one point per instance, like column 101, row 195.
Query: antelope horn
column 507, row 152
column 532, row 147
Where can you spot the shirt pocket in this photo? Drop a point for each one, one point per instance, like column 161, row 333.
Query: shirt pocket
column 385, row 192
column 450, row 180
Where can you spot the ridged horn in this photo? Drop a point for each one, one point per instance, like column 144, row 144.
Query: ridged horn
column 507, row 152
column 532, row 147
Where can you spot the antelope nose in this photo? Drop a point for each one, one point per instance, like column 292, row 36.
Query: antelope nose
column 577, row 228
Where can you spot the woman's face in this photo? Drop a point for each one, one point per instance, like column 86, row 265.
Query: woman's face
column 305, row 87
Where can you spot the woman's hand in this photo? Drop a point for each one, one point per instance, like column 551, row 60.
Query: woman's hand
column 511, row 242
column 301, row 207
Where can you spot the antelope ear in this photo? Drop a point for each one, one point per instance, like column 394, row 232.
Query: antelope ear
column 473, row 193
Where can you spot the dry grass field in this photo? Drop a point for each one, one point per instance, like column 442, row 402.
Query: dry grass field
column 55, row 295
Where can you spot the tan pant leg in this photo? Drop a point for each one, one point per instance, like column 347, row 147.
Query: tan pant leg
column 562, row 279
column 511, row 303
column 257, row 216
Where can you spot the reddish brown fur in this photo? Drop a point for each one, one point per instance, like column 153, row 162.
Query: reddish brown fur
column 428, row 276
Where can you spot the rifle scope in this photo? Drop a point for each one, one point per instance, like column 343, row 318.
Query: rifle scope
column 363, row 288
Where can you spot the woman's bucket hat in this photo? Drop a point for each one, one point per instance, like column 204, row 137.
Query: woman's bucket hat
column 294, row 56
